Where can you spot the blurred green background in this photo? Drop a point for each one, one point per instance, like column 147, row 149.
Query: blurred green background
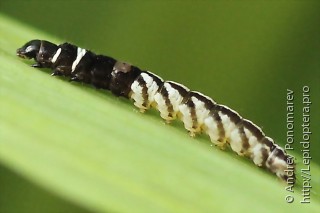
column 244, row 54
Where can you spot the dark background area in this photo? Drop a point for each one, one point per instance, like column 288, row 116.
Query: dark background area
column 244, row 54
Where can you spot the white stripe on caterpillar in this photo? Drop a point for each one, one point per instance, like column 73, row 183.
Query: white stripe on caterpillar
column 144, row 99
column 152, row 87
column 194, row 112
column 137, row 96
column 56, row 55
column 168, row 99
column 213, row 130
column 80, row 53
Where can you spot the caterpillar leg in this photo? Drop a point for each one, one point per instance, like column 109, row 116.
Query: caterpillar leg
column 75, row 79
column 56, row 73
column 37, row 65
column 192, row 134
column 220, row 144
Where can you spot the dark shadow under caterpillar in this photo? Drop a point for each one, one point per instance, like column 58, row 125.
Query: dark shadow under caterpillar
column 198, row 112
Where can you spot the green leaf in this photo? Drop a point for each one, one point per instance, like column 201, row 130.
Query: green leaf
column 98, row 151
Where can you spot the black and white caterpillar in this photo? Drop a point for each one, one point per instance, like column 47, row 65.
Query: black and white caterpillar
column 199, row 113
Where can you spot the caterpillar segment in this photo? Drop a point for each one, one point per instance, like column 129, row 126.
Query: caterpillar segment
column 199, row 113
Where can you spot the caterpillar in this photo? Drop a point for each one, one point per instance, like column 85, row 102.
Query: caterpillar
column 199, row 113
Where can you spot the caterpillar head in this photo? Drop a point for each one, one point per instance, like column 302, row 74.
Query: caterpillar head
column 30, row 49
column 40, row 50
